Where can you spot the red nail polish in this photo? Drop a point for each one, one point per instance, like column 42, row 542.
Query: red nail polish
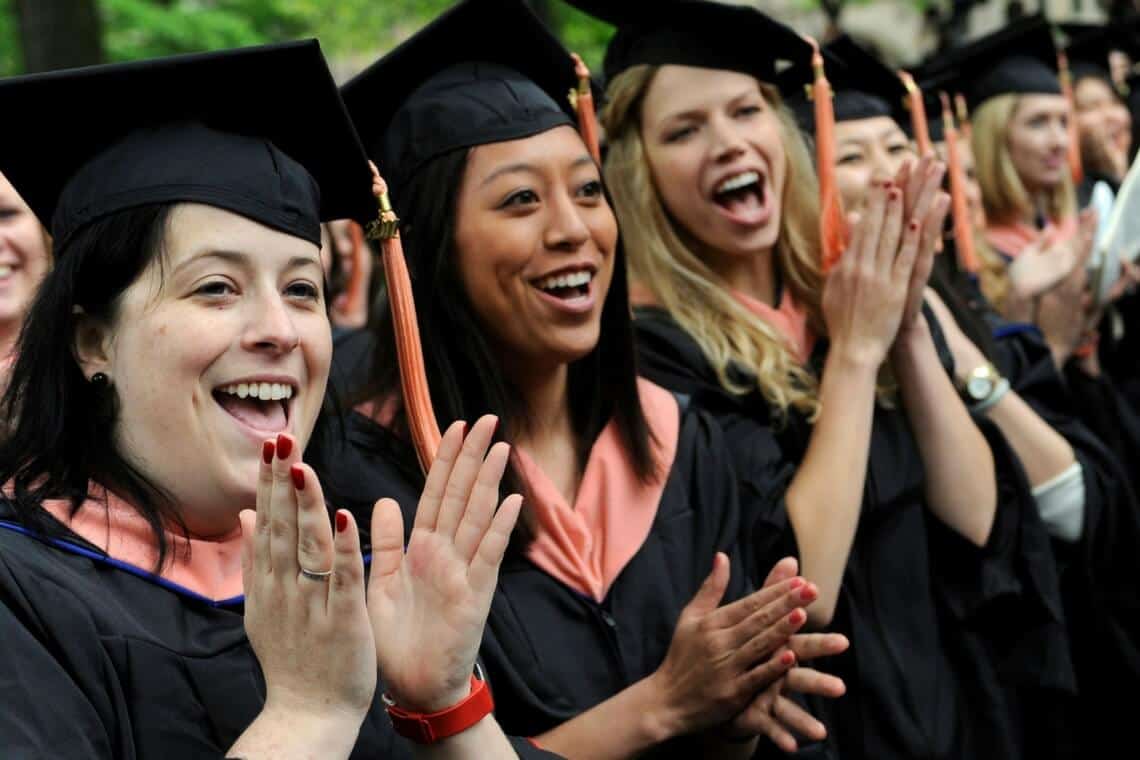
column 912, row 225
column 284, row 446
column 341, row 522
column 808, row 594
column 267, row 452
column 894, row 195
column 796, row 583
column 788, row 658
column 298, row 476
column 463, row 431
column 797, row 616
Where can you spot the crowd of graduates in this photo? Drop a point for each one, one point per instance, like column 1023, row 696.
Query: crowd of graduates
column 747, row 398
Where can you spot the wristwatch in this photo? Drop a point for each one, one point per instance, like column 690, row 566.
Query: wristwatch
column 980, row 383
column 429, row 728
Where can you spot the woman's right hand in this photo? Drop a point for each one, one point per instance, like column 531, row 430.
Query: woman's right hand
column 1045, row 262
column 866, row 293
column 429, row 604
column 720, row 658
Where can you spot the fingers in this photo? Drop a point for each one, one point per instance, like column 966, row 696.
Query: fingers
column 346, row 585
column 931, row 234
column 484, row 571
column 432, row 496
column 811, row 681
column 929, row 188
column 854, row 245
column 891, row 230
column 464, row 474
column 387, row 537
column 873, row 221
column 481, row 502
column 759, row 718
column 764, row 675
column 248, row 520
column 770, row 637
column 903, row 266
column 809, row 646
column 785, row 569
column 283, row 509
column 795, row 718
column 261, row 561
column 314, row 534
column 710, row 593
column 748, row 607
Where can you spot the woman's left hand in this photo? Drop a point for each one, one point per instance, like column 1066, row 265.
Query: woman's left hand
column 926, row 208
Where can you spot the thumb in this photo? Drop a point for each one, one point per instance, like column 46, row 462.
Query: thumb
column 786, row 568
column 387, row 538
column 712, row 590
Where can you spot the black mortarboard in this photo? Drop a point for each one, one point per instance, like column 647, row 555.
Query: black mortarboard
column 864, row 87
column 257, row 131
column 1087, row 47
column 1019, row 58
column 696, row 33
column 485, row 71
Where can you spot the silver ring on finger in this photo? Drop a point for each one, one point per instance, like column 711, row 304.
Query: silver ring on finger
column 316, row 576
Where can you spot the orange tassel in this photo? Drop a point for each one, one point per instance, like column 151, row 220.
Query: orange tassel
column 963, row 230
column 355, row 291
column 409, row 350
column 917, row 115
column 582, row 99
column 833, row 230
column 1066, row 78
column 964, row 127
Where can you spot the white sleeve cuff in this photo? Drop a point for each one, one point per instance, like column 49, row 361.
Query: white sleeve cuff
column 1061, row 503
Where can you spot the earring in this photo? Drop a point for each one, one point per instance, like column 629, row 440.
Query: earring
column 100, row 380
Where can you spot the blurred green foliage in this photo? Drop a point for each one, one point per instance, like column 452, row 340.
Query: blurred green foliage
column 347, row 29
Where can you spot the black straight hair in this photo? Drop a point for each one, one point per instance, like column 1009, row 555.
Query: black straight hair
column 464, row 375
column 60, row 426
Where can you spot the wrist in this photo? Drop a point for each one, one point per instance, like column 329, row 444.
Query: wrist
column 852, row 361
column 661, row 720
column 281, row 733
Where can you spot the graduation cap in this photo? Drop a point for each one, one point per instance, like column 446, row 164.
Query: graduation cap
column 257, row 131
column 485, row 71
column 1020, row 58
column 696, row 33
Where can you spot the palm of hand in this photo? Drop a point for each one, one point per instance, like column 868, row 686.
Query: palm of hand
column 1037, row 270
column 424, row 615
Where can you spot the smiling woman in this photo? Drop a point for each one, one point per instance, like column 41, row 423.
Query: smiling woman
column 24, row 259
column 170, row 580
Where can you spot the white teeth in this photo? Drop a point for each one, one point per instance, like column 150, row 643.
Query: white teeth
column 737, row 182
column 572, row 280
column 5, row 270
column 262, row 391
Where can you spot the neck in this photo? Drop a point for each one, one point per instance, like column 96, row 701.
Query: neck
column 1040, row 208
column 547, row 403
column 9, row 334
column 753, row 275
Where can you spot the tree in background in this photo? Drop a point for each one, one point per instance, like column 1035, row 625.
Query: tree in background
column 55, row 34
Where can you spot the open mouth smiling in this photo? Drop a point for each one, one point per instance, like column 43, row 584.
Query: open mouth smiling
column 743, row 196
column 265, row 406
column 570, row 285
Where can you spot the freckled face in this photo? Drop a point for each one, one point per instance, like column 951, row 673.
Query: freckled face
column 218, row 346
column 716, row 153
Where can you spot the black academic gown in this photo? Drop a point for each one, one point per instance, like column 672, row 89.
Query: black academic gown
column 99, row 661
column 551, row 653
column 955, row 649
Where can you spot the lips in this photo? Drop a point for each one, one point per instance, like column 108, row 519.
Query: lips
column 569, row 289
column 744, row 198
column 262, row 406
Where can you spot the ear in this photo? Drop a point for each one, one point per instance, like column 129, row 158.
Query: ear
column 91, row 344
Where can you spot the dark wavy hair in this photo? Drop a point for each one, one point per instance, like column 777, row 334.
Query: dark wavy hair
column 464, row 375
column 60, row 427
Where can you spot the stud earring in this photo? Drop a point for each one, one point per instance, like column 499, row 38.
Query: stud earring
column 100, row 380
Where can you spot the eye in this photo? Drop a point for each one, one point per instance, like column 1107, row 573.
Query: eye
column 8, row 213
column 519, row 199
column 746, row 111
column 592, row 189
column 304, row 290
column 850, row 159
column 897, row 148
column 679, row 134
column 215, row 289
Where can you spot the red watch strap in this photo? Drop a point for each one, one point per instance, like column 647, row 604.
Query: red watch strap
column 429, row 728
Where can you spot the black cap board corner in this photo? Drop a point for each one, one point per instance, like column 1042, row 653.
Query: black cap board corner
column 484, row 71
column 259, row 131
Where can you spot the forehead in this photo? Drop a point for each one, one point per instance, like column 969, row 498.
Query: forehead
column 676, row 89
column 864, row 130
column 555, row 146
column 1038, row 103
column 1089, row 88
column 194, row 228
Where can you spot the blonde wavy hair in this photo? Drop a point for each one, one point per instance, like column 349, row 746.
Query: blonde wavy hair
column 1004, row 195
column 662, row 261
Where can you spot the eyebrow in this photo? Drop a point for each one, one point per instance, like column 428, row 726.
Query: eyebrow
column 239, row 258
column 697, row 112
column 523, row 167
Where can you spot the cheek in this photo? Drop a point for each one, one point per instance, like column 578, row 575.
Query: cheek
column 853, row 182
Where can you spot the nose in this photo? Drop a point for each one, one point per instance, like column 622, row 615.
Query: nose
column 566, row 230
column 270, row 328
column 727, row 143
